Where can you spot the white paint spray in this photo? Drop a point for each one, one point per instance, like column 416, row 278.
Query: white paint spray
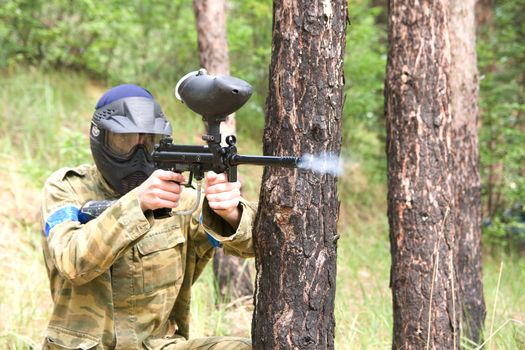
column 323, row 163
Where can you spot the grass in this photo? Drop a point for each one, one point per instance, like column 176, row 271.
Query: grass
column 44, row 125
column 504, row 278
column 24, row 297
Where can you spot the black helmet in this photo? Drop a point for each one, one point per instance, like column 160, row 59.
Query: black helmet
column 125, row 127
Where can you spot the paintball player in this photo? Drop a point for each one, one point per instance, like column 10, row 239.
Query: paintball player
column 122, row 280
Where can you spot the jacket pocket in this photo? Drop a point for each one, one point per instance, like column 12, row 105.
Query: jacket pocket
column 161, row 257
column 58, row 338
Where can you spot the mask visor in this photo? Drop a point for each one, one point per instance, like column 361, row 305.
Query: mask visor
column 123, row 145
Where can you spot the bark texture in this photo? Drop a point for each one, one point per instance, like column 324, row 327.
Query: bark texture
column 421, row 190
column 233, row 278
column 464, row 97
column 296, row 228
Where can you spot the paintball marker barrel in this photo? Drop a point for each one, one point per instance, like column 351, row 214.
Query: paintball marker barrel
column 285, row 162
column 199, row 159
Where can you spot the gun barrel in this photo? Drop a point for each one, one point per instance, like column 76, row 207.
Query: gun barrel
column 286, row 162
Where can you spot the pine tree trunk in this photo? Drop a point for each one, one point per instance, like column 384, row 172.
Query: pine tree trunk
column 296, row 228
column 421, row 191
column 211, row 17
column 233, row 278
column 464, row 97
column 484, row 17
column 484, row 12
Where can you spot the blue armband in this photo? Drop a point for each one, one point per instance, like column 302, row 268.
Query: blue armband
column 215, row 243
column 66, row 213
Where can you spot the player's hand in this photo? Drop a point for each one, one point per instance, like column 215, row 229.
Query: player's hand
column 161, row 190
column 223, row 197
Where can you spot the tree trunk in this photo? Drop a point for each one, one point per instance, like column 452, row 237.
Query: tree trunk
column 233, row 278
column 484, row 11
column 421, row 209
column 484, row 19
column 296, row 228
column 464, row 102
column 213, row 44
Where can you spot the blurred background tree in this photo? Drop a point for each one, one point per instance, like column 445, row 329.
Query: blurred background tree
column 501, row 60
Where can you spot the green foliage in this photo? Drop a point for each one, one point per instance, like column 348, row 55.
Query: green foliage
column 75, row 146
column 365, row 61
column 42, row 120
column 501, row 57
column 118, row 40
column 249, row 40
column 506, row 231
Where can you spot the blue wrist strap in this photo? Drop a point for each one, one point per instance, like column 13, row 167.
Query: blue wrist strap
column 215, row 243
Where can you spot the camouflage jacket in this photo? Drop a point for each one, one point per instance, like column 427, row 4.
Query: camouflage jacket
column 123, row 280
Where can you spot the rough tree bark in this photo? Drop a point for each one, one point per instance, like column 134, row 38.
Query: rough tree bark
column 464, row 102
column 233, row 277
column 296, row 228
column 421, row 191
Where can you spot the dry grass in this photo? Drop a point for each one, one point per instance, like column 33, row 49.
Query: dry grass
column 25, row 301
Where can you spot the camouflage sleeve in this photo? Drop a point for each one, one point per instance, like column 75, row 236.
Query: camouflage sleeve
column 235, row 242
column 82, row 252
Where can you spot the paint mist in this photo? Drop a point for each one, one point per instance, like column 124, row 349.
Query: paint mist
column 323, row 163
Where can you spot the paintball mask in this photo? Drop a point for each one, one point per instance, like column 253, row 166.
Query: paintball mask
column 126, row 125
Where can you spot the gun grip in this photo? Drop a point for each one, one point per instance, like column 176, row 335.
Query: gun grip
column 232, row 174
column 162, row 213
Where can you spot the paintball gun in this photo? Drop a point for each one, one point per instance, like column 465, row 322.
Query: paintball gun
column 214, row 98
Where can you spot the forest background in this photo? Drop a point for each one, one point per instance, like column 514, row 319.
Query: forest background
column 57, row 57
